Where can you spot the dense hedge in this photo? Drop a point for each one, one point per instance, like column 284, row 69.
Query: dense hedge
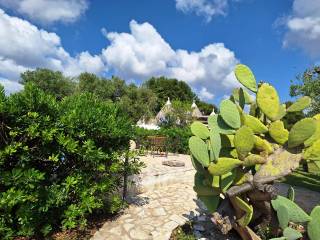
column 59, row 161
column 177, row 138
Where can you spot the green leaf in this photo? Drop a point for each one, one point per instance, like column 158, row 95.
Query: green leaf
column 229, row 113
column 199, row 150
column 246, row 77
column 300, row 104
column 291, row 234
column 301, row 131
column 200, row 130
column 314, row 224
column 268, row 101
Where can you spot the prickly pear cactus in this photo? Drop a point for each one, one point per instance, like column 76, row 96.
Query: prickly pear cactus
column 239, row 154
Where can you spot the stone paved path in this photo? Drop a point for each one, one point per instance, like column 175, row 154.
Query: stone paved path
column 154, row 215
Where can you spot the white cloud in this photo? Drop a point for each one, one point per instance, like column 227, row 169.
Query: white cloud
column 48, row 11
column 143, row 53
column 205, row 8
column 303, row 27
column 24, row 46
column 137, row 55
column 204, row 94
column 10, row 86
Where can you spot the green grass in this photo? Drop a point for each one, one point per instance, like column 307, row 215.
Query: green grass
column 304, row 179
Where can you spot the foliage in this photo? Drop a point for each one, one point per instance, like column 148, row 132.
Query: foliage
column 177, row 138
column 175, row 90
column 138, row 102
column 308, row 84
column 52, row 82
column 238, row 148
column 59, row 159
column 172, row 88
column 292, row 117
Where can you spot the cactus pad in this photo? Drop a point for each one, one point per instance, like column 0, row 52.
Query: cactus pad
column 291, row 234
column 278, row 132
column 248, row 209
column 223, row 166
column 253, row 159
column 283, row 216
column 200, row 130
column 262, row 145
column 300, row 104
column 215, row 140
column 246, row 77
column 244, row 141
column 229, row 113
column 216, row 123
column 227, row 141
column 314, row 224
column 313, row 152
column 268, row 101
column 315, row 136
column 211, row 202
column 239, row 93
column 199, row 150
column 296, row 214
column 301, row 131
column 255, row 124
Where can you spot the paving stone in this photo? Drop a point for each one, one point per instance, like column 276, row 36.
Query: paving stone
column 158, row 212
column 139, row 234
column 128, row 226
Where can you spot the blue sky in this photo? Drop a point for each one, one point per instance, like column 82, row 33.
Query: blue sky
column 198, row 41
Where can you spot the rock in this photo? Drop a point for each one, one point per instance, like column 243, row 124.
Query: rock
column 173, row 163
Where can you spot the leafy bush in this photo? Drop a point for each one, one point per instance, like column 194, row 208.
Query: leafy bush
column 59, row 161
column 177, row 138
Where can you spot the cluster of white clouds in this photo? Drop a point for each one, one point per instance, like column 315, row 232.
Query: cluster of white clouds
column 143, row 53
column 303, row 27
column 24, row 46
column 48, row 11
column 205, row 8
column 137, row 55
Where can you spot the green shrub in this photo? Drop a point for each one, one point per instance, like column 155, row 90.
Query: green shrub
column 59, row 161
column 177, row 138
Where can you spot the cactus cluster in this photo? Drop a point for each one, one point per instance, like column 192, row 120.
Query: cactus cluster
column 237, row 144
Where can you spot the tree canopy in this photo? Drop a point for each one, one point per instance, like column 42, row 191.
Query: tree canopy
column 308, row 84
column 137, row 101
column 52, row 82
